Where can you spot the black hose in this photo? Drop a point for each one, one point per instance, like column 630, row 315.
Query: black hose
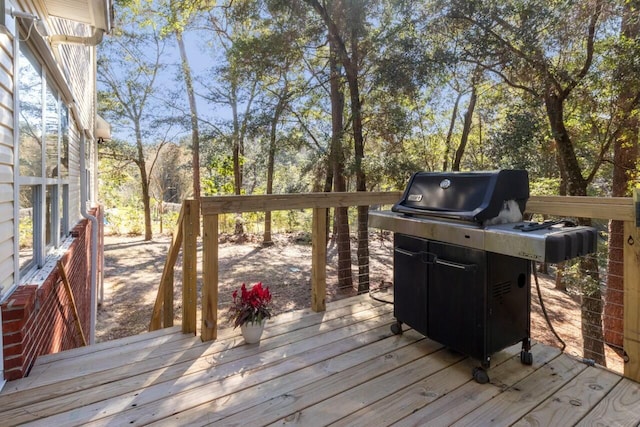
column 379, row 299
column 544, row 310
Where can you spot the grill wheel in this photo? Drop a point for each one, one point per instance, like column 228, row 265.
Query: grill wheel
column 480, row 375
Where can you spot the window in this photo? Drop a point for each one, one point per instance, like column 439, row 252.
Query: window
column 52, row 133
column 30, row 125
column 25, row 225
column 43, row 159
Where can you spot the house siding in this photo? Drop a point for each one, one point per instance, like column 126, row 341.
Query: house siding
column 74, row 174
column 7, row 265
column 37, row 316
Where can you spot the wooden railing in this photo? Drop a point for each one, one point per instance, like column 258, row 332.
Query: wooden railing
column 187, row 230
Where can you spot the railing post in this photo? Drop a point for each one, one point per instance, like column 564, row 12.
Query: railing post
column 319, row 259
column 209, row 329
column 189, row 265
column 632, row 293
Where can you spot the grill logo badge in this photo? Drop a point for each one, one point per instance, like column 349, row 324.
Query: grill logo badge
column 414, row 197
column 445, row 183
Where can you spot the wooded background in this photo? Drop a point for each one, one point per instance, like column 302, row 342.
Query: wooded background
column 294, row 96
column 274, row 96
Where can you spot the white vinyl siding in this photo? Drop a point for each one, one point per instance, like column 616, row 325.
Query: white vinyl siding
column 74, row 175
column 76, row 64
column 7, row 264
column 79, row 69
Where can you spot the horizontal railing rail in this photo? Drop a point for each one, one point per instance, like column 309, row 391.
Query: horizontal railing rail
column 282, row 202
column 615, row 208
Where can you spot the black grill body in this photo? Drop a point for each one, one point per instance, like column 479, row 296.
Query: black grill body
column 462, row 259
column 473, row 301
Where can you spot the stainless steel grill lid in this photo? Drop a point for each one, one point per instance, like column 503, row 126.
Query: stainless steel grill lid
column 466, row 196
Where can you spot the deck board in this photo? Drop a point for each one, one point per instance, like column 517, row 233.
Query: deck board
column 573, row 401
column 254, row 405
column 330, row 407
column 342, row 367
column 416, row 396
column 159, row 336
column 450, row 408
column 516, row 401
column 621, row 407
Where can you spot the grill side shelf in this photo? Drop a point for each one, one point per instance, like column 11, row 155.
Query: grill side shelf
column 541, row 245
column 463, row 234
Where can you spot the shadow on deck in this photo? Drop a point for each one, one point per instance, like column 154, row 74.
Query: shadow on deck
column 339, row 367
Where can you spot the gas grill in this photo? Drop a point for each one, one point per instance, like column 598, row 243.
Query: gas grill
column 462, row 259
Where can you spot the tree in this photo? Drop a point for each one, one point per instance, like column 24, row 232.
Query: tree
column 345, row 23
column 337, row 169
column 271, row 48
column 128, row 84
column 195, row 130
column 178, row 17
column 468, row 118
column 236, row 85
column 545, row 51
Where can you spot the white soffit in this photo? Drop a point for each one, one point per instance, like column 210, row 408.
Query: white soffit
column 93, row 12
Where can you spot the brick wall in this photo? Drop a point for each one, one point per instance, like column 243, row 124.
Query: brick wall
column 38, row 320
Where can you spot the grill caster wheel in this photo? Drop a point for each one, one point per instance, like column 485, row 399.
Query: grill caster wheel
column 526, row 358
column 480, row 375
column 396, row 328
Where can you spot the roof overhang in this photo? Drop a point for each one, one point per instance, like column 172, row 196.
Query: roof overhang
column 97, row 13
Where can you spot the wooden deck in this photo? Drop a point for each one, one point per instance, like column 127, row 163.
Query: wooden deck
column 341, row 367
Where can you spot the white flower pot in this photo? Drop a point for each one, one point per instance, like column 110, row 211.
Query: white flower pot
column 252, row 331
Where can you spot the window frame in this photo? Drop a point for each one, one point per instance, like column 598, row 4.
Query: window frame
column 50, row 194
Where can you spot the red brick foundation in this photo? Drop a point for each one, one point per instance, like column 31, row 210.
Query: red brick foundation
column 38, row 320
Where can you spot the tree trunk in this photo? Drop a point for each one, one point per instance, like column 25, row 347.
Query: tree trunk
column 358, row 145
column 343, row 242
column 452, row 122
column 614, row 295
column 592, row 333
column 266, row 240
column 146, row 202
column 351, row 65
column 576, row 184
column 195, row 133
column 144, row 181
column 236, row 156
column 466, row 128
column 625, row 156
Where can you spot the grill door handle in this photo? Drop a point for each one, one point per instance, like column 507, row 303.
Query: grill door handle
column 425, row 257
column 407, row 253
column 465, row 267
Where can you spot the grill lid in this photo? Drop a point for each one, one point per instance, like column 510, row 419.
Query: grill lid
column 466, row 196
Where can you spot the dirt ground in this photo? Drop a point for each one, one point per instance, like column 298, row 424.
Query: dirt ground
column 133, row 269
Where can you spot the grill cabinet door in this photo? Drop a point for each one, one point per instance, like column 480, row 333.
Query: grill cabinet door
column 410, row 259
column 457, row 298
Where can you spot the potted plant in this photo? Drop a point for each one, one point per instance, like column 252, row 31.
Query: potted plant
column 250, row 310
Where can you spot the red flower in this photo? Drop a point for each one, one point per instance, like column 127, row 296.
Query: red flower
column 251, row 306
